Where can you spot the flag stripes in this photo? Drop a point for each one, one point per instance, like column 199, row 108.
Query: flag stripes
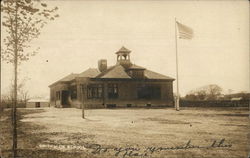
column 185, row 32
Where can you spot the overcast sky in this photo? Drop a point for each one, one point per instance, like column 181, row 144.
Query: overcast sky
column 87, row 31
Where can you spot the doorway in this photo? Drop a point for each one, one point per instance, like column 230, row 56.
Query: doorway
column 65, row 96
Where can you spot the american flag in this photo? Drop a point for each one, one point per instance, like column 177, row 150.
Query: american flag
column 185, row 32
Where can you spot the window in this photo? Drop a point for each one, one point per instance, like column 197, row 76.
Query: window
column 148, row 92
column 111, row 105
column 137, row 73
column 37, row 104
column 129, row 105
column 112, row 91
column 73, row 92
column 95, row 91
column 156, row 92
column 82, row 88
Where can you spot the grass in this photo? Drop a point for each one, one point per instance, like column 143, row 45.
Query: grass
column 62, row 133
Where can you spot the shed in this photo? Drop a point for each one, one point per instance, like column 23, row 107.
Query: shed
column 236, row 99
column 37, row 103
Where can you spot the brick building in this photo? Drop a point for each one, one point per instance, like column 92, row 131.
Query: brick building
column 122, row 85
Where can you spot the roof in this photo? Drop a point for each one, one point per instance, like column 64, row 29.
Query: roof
column 154, row 75
column 91, row 72
column 117, row 71
column 38, row 100
column 235, row 99
column 123, row 50
column 133, row 67
column 69, row 77
column 114, row 72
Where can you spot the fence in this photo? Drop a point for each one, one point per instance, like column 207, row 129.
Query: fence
column 215, row 103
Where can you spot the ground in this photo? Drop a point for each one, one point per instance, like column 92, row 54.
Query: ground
column 189, row 133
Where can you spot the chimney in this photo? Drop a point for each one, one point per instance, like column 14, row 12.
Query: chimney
column 102, row 65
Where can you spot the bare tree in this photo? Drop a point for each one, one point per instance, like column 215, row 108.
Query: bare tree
column 201, row 94
column 213, row 92
column 22, row 92
column 24, row 96
column 198, row 94
column 22, row 22
column 208, row 92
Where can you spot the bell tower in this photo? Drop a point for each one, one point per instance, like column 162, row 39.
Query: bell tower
column 123, row 57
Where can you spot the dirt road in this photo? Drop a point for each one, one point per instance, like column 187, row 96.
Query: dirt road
column 191, row 132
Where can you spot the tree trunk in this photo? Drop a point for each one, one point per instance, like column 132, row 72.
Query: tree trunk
column 14, row 147
column 83, row 116
column 1, row 105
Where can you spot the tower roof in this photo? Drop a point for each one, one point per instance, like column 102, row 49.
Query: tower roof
column 123, row 50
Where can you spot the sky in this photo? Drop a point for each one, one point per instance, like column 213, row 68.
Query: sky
column 87, row 31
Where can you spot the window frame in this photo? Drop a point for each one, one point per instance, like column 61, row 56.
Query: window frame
column 148, row 92
column 73, row 92
column 95, row 91
column 113, row 91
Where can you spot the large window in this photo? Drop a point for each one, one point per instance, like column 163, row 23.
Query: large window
column 148, row 92
column 95, row 91
column 112, row 91
column 73, row 92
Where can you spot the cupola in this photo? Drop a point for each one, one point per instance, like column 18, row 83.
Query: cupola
column 123, row 57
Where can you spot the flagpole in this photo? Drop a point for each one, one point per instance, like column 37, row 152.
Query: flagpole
column 177, row 76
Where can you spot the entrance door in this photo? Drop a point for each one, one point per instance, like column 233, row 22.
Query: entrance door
column 65, row 96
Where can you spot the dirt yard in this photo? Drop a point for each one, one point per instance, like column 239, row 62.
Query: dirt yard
column 163, row 133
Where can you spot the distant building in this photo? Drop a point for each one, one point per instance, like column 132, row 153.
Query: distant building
column 241, row 95
column 37, row 103
column 122, row 85
column 236, row 99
